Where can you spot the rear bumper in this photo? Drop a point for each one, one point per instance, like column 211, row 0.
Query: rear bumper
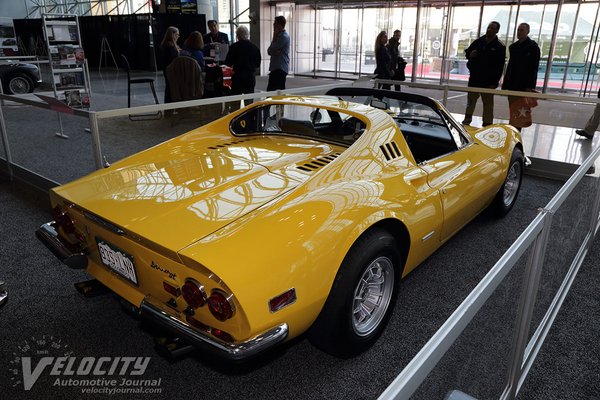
column 162, row 315
column 48, row 235
column 166, row 317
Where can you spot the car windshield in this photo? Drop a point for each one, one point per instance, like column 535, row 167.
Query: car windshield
column 401, row 110
column 307, row 121
column 429, row 132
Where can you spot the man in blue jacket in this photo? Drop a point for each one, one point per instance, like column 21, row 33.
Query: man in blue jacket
column 279, row 50
column 485, row 57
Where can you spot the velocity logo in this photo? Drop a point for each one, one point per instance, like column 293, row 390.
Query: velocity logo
column 48, row 356
column 86, row 366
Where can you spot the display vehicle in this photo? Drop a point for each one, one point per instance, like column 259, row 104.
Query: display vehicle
column 292, row 215
column 19, row 77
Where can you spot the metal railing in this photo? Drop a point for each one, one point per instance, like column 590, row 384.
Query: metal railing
column 533, row 239
column 150, row 109
column 446, row 89
column 15, row 170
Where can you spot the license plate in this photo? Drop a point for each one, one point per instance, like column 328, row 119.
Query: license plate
column 117, row 260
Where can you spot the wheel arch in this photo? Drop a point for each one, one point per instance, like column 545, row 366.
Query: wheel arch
column 330, row 331
column 519, row 145
column 8, row 76
column 398, row 230
column 395, row 227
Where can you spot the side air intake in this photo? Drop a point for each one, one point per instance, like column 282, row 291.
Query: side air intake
column 390, row 151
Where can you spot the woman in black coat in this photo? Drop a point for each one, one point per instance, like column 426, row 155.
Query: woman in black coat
column 383, row 69
column 170, row 51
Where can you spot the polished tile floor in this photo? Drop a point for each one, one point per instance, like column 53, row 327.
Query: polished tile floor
column 557, row 150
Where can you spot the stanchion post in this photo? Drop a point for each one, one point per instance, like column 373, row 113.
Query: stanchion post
column 535, row 263
column 445, row 100
column 594, row 221
column 5, row 140
column 60, row 133
column 96, row 140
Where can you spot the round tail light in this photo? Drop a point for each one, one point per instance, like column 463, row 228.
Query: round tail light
column 193, row 293
column 220, row 306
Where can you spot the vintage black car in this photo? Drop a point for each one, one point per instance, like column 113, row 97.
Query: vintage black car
column 19, row 77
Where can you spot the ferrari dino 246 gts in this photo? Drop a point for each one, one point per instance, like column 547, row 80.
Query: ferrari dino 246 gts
column 291, row 215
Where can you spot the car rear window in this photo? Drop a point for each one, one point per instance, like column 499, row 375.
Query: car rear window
column 307, row 121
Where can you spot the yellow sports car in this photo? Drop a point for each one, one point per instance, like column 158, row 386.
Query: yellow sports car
column 291, row 215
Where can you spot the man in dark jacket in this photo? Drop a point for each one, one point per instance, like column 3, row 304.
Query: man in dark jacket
column 397, row 61
column 523, row 64
column 244, row 57
column 485, row 57
column 522, row 69
column 213, row 38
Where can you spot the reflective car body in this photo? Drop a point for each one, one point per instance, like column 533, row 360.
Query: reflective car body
column 263, row 215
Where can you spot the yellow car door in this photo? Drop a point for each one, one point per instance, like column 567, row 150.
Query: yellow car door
column 467, row 180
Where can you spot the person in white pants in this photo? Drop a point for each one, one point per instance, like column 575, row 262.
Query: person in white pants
column 592, row 124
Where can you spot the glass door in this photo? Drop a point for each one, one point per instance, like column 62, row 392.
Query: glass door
column 327, row 47
column 350, row 43
column 405, row 19
column 306, row 57
column 431, row 45
column 344, row 47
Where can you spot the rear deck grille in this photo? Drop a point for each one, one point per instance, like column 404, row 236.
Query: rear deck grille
column 318, row 162
column 227, row 144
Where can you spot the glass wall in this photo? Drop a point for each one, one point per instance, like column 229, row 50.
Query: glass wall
column 307, row 55
column 342, row 36
column 335, row 38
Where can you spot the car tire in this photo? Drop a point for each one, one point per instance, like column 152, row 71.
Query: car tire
column 507, row 195
column 350, row 322
column 18, row 83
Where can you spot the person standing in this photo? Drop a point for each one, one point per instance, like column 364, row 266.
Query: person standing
column 486, row 56
column 192, row 47
column 170, row 51
column 383, row 61
column 397, row 62
column 212, row 38
column 522, row 69
column 279, row 50
column 592, row 124
column 214, row 35
column 244, row 57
